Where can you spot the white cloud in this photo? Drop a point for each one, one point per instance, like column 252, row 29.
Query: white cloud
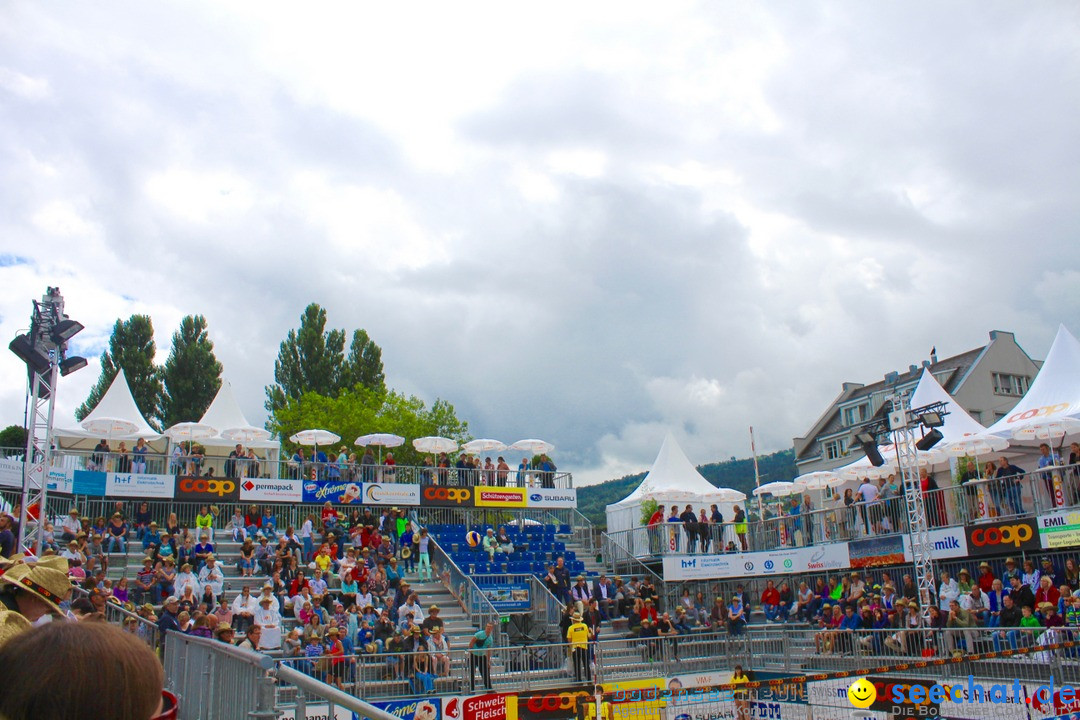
column 592, row 224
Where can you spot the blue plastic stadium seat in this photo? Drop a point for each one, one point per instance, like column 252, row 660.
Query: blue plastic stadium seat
column 559, row 547
column 564, row 529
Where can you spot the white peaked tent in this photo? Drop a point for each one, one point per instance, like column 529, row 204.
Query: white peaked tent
column 117, row 402
column 1055, row 392
column 672, row 479
column 225, row 413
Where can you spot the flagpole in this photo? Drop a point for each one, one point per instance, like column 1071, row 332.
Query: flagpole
column 757, row 475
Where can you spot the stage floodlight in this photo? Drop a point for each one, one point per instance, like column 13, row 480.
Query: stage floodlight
column 932, row 419
column 65, row 330
column 929, row 440
column 34, row 357
column 71, row 364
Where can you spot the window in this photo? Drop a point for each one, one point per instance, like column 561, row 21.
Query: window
column 856, row 414
column 835, row 449
column 1015, row 385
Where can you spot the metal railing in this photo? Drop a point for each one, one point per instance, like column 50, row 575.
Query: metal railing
column 214, row 680
column 621, row 562
column 265, row 465
column 306, row 688
column 545, row 609
column 466, row 592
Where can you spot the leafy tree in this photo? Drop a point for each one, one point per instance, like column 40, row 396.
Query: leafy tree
column 364, row 364
column 192, row 374
column 362, row 410
column 13, row 436
column 132, row 348
column 648, row 507
column 310, row 360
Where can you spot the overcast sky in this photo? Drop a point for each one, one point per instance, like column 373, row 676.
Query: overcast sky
column 585, row 222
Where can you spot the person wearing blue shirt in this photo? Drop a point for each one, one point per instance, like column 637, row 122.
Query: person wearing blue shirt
column 151, row 538
column 736, row 616
column 848, row 625
column 269, row 525
column 406, row 542
column 796, row 521
column 1049, row 458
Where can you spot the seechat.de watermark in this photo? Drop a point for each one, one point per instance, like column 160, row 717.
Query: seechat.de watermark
column 863, row 693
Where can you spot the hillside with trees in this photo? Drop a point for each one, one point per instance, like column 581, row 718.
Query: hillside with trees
column 733, row 473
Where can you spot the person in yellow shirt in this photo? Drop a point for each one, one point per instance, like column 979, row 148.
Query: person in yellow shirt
column 742, row 696
column 578, row 635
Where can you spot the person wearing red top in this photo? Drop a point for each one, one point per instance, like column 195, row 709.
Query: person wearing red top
column 1047, row 593
column 335, row 652
column 329, row 516
column 299, row 582
column 648, row 611
column 770, row 601
column 655, row 523
column 986, row 577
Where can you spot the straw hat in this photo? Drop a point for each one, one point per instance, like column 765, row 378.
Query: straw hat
column 11, row 624
column 49, row 584
column 53, row 562
column 222, row 628
column 333, row 631
column 8, row 562
column 577, row 617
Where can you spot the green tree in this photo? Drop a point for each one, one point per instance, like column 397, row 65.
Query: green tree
column 310, row 360
column 13, row 440
column 192, row 374
column 364, row 364
column 132, row 348
column 361, row 410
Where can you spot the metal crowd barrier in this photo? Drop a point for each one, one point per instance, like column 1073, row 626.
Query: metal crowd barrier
column 214, row 680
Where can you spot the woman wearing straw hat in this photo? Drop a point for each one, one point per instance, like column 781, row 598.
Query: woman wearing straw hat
column 34, row 591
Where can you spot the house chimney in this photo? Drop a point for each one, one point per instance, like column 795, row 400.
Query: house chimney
column 912, row 368
column 933, row 355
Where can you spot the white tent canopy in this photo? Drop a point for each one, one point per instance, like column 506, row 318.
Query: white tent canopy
column 116, row 403
column 1054, row 393
column 672, row 479
column 224, row 413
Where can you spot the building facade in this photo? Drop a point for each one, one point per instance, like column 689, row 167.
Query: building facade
column 986, row 381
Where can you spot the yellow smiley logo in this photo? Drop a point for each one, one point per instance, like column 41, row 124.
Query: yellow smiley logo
column 862, row 693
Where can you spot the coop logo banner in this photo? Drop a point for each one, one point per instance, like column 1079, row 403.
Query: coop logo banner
column 552, row 704
column 548, row 498
column 140, row 486
column 266, row 490
column 207, row 489
column 496, row 497
column 1006, row 537
column 446, row 496
column 391, row 494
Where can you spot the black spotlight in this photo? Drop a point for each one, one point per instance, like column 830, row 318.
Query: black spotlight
column 932, row 419
column 868, row 443
column 30, row 354
column 929, row 440
column 71, row 364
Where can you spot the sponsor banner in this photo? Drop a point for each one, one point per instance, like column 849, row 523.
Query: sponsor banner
column 317, row 712
column 85, row 482
column 446, row 496
column 886, row 688
column 831, row 556
column 1049, row 702
column 139, row 486
column 876, row 552
column 556, row 704
column 390, row 494
column 339, row 492
column 11, row 473
column 492, row 706
column 722, row 710
column 60, row 480
column 425, row 709
column 1003, row 537
column 773, row 562
column 511, row 596
column 209, row 490
column 498, row 497
column 945, row 543
column 1059, row 529
column 270, row 490
column 548, row 498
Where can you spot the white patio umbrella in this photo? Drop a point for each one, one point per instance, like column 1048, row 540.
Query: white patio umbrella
column 976, row 445
column 778, row 488
column 534, row 446
column 380, row 440
column 190, row 431
column 730, row 495
column 819, row 480
column 434, row 444
column 483, row 445
column 245, row 434
column 315, row 437
column 109, row 426
column 1048, row 430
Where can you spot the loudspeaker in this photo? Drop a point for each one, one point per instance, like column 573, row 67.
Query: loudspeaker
column 520, row 631
column 929, row 440
column 872, row 454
